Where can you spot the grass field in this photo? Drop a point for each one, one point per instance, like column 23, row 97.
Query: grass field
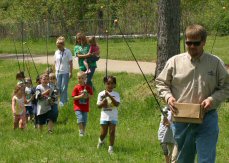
column 136, row 138
column 143, row 49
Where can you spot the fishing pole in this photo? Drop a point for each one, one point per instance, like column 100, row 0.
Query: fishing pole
column 27, row 67
column 46, row 44
column 160, row 108
column 25, row 43
column 16, row 53
column 107, row 33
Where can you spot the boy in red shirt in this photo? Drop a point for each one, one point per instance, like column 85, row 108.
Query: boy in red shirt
column 81, row 94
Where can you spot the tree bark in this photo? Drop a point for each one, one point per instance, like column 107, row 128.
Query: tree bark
column 168, row 43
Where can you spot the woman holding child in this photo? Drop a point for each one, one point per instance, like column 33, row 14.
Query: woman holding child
column 84, row 54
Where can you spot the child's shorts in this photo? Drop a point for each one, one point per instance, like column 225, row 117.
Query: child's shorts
column 29, row 110
column 167, row 148
column 20, row 120
column 113, row 122
column 43, row 118
column 81, row 116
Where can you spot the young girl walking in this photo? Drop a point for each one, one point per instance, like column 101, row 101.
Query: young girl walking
column 108, row 101
column 18, row 108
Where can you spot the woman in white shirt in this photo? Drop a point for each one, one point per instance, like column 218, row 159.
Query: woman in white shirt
column 63, row 67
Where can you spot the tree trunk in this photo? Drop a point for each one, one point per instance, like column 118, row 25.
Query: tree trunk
column 168, row 43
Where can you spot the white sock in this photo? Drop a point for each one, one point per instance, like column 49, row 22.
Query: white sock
column 81, row 131
column 110, row 148
column 101, row 141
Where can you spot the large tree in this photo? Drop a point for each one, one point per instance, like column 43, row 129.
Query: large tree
column 168, row 32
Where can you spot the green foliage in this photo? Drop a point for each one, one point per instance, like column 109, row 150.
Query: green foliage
column 138, row 16
column 212, row 14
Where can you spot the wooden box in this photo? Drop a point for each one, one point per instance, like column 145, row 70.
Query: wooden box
column 188, row 113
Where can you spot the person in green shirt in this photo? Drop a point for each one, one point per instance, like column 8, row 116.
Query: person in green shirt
column 81, row 50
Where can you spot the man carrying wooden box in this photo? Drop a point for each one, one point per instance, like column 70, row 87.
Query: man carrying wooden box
column 190, row 82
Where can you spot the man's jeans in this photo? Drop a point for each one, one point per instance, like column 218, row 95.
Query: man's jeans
column 62, row 83
column 197, row 138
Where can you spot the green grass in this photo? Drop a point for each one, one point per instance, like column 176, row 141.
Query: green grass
column 136, row 138
column 143, row 49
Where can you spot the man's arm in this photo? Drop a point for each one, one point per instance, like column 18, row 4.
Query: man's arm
column 163, row 84
column 221, row 92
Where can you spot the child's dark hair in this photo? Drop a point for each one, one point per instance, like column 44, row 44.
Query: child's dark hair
column 38, row 79
column 106, row 78
column 20, row 74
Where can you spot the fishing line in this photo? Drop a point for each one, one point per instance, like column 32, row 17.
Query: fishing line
column 160, row 108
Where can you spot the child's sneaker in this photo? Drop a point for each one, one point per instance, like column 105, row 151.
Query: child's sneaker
column 100, row 144
column 110, row 150
column 81, row 133
column 61, row 105
column 50, row 131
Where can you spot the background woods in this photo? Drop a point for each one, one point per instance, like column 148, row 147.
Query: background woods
column 92, row 16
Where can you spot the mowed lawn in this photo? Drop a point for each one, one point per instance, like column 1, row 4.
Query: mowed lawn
column 136, row 137
column 143, row 49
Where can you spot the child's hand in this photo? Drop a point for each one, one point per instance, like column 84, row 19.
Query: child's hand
column 107, row 94
column 84, row 95
column 104, row 103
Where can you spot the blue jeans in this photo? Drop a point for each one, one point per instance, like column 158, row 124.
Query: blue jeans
column 90, row 75
column 197, row 138
column 62, row 83
column 55, row 111
column 81, row 117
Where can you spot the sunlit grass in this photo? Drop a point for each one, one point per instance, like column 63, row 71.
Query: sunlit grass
column 143, row 49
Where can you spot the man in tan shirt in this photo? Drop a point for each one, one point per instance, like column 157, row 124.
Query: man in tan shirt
column 200, row 78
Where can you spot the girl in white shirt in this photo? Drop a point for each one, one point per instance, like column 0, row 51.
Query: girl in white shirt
column 108, row 101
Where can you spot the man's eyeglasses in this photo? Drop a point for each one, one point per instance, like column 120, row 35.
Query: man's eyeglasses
column 195, row 43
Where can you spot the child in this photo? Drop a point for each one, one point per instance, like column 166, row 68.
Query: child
column 54, row 95
column 44, row 112
column 94, row 51
column 29, row 94
column 165, row 136
column 20, row 77
column 108, row 101
column 34, row 102
column 81, row 94
column 18, row 108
